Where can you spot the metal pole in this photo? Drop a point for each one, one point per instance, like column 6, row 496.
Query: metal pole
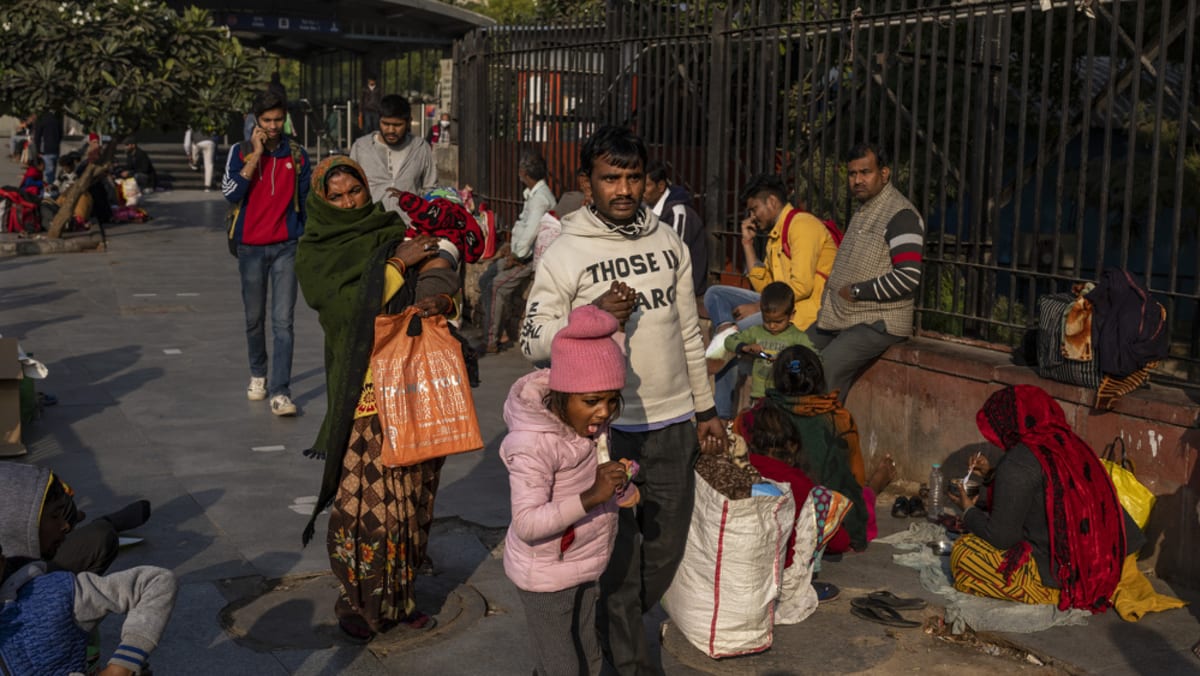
column 349, row 125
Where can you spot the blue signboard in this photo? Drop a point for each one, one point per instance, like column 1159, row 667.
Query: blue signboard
column 260, row 23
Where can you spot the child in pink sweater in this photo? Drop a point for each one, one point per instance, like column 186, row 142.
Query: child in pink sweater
column 564, row 489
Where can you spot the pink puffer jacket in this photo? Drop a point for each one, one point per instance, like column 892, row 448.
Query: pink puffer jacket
column 549, row 466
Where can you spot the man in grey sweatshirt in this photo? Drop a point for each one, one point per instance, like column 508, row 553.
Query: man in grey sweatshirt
column 393, row 157
column 46, row 617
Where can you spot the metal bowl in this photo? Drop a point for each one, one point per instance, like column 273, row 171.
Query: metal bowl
column 940, row 547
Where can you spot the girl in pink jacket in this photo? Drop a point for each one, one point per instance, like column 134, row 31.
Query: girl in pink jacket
column 565, row 490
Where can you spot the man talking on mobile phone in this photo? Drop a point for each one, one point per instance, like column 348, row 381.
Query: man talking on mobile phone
column 268, row 179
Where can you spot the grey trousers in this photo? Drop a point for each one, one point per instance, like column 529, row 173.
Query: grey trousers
column 650, row 540
column 562, row 630
column 846, row 354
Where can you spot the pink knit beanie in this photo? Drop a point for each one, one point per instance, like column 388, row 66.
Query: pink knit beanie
column 583, row 355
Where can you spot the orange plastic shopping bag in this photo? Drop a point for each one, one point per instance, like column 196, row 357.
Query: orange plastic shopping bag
column 422, row 394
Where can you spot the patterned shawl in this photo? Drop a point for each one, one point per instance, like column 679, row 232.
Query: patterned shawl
column 1087, row 528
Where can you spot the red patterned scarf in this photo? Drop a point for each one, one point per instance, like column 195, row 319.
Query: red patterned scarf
column 1087, row 530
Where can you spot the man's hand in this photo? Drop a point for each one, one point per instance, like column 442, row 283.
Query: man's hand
column 258, row 138
column 744, row 310
column 749, row 231
column 513, row 261
column 711, row 434
column 618, row 301
column 844, row 293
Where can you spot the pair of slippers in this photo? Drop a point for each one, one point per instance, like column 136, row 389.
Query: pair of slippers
column 883, row 607
column 906, row 507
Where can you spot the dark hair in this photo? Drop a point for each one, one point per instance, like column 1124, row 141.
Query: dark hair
column 658, row 171
column 371, row 76
column 556, row 403
column 861, row 150
column 533, row 164
column 774, row 435
column 343, row 169
column 619, row 146
column 268, row 100
column 797, row 371
column 765, row 183
column 394, row 105
column 777, row 297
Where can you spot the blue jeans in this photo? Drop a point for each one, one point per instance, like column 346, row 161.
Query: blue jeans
column 720, row 302
column 259, row 265
column 51, row 168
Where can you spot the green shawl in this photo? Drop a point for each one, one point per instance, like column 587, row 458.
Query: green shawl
column 826, row 460
column 340, row 264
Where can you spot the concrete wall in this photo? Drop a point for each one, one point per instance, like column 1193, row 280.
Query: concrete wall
column 919, row 403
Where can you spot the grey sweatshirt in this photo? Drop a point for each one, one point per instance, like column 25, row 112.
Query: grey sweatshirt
column 415, row 169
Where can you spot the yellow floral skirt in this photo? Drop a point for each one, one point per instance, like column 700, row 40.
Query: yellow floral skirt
column 379, row 528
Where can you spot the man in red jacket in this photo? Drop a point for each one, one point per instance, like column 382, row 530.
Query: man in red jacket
column 269, row 178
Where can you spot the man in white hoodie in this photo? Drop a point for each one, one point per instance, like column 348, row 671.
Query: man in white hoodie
column 617, row 255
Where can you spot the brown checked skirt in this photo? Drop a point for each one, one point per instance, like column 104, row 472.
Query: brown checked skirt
column 379, row 528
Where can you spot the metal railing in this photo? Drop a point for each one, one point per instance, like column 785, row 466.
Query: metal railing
column 1041, row 141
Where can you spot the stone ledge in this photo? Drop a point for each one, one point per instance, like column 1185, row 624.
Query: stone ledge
column 1161, row 403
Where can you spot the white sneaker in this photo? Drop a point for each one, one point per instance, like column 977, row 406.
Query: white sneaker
column 281, row 404
column 257, row 389
column 716, row 348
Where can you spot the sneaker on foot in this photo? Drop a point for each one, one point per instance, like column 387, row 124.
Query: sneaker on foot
column 257, row 389
column 281, row 404
column 716, row 348
column 826, row 591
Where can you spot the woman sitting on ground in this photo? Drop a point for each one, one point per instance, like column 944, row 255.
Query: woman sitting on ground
column 354, row 263
column 829, row 450
column 1055, row 533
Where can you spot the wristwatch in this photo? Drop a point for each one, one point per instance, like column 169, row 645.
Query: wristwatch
column 854, row 291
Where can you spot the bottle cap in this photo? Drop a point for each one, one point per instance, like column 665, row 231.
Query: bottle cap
column 937, row 465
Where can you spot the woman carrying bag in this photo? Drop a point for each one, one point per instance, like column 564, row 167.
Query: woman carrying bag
column 353, row 264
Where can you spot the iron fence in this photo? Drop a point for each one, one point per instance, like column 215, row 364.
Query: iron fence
column 1042, row 140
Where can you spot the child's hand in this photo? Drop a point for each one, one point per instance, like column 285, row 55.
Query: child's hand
column 752, row 348
column 114, row 670
column 610, row 477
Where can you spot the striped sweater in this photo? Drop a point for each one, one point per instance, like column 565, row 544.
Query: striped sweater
column 881, row 254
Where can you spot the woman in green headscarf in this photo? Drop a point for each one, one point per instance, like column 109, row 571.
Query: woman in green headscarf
column 354, row 263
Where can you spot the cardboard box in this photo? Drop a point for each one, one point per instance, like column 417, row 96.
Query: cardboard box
column 10, row 400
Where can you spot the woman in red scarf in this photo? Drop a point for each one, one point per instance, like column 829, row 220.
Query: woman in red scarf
column 1055, row 532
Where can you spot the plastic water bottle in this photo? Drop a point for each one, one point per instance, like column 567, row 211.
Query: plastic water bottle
column 937, row 487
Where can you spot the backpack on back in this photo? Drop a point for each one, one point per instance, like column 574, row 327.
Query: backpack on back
column 831, row 225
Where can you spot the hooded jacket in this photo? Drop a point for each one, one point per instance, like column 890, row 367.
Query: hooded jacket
column 45, row 618
column 675, row 210
column 667, row 376
column 272, row 211
column 549, row 466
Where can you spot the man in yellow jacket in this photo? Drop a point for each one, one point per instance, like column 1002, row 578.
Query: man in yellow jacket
column 802, row 262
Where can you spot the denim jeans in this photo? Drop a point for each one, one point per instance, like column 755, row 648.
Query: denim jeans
column 720, row 302
column 50, row 171
column 273, row 264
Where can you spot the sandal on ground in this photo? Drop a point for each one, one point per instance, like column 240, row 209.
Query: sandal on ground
column 418, row 621
column 355, row 630
column 901, row 508
column 890, row 600
column 881, row 615
column 825, row 591
column 916, row 507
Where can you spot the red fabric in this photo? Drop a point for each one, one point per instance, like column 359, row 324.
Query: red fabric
column 1087, row 528
column 444, row 219
column 269, row 201
column 913, row 256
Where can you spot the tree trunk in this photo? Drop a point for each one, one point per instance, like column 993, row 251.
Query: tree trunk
column 66, row 210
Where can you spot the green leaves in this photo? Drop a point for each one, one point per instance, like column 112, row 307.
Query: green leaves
column 119, row 65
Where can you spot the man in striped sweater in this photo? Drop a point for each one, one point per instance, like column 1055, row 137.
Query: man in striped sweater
column 867, row 305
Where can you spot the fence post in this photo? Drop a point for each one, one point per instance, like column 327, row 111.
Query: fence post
column 717, row 139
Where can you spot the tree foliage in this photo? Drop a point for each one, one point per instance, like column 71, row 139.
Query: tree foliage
column 121, row 65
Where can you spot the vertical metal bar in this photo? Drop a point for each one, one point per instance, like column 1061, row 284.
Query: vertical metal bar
column 1042, row 150
column 1156, row 144
column 1181, row 149
column 1127, row 210
column 1019, row 165
column 1106, row 162
column 915, row 109
column 1084, row 151
column 1063, row 141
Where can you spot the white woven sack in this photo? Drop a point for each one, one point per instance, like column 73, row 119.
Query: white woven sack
column 723, row 596
column 797, row 598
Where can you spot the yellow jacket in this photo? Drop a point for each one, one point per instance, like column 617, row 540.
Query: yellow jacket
column 806, row 271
